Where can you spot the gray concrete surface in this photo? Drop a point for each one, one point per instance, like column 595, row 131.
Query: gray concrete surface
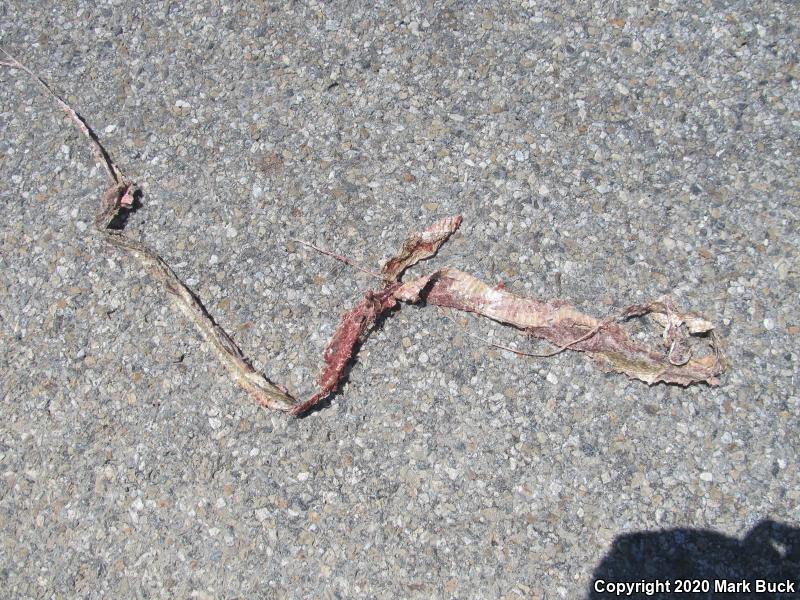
column 604, row 152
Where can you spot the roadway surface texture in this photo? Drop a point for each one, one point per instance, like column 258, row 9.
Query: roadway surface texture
column 602, row 153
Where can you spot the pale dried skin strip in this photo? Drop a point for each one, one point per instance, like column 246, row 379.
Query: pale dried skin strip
column 675, row 337
column 419, row 246
column 555, row 321
column 562, row 325
column 464, row 290
column 119, row 196
column 229, row 354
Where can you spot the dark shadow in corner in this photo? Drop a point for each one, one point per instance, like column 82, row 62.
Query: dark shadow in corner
column 770, row 552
